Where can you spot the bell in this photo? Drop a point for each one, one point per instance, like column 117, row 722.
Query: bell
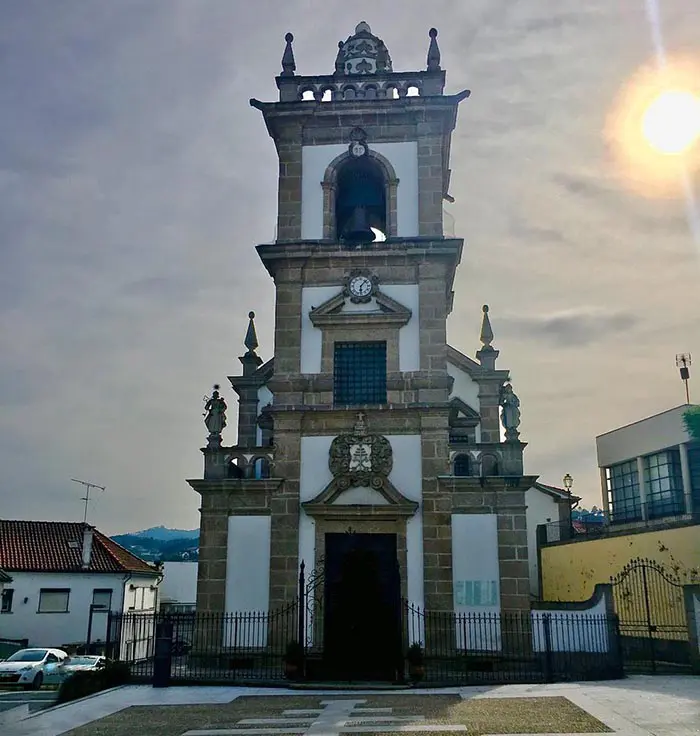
column 357, row 230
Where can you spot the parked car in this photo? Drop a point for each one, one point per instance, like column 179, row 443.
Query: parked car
column 82, row 662
column 31, row 668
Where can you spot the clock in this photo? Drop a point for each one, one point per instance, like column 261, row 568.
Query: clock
column 358, row 149
column 361, row 287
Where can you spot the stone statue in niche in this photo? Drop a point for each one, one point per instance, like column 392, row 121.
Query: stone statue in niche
column 215, row 414
column 510, row 412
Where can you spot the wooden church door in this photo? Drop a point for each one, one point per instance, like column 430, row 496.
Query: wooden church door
column 362, row 623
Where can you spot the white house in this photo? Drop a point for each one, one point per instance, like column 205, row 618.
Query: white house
column 545, row 505
column 65, row 578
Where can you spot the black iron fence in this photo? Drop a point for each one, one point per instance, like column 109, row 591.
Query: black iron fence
column 436, row 647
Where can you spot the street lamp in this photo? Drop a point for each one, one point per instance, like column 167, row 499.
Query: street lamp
column 568, row 482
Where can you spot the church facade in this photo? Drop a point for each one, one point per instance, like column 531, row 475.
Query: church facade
column 368, row 448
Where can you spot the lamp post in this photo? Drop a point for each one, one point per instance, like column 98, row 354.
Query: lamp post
column 568, row 482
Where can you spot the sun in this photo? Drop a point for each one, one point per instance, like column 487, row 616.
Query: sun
column 671, row 122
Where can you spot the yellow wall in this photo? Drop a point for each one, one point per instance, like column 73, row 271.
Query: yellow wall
column 571, row 571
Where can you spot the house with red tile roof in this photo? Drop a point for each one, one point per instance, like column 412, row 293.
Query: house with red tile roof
column 65, row 578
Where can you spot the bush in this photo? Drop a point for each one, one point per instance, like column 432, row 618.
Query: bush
column 88, row 682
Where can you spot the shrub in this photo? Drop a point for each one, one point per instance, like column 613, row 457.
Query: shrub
column 88, row 682
column 691, row 419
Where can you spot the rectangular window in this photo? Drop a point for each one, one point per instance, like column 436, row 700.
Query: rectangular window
column 102, row 597
column 694, row 468
column 623, row 492
column 663, row 483
column 359, row 373
column 54, row 600
column 6, row 600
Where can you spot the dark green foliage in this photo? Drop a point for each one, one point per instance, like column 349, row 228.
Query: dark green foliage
column 691, row 419
column 83, row 683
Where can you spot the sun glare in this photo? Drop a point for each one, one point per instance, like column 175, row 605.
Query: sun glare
column 653, row 128
column 671, row 123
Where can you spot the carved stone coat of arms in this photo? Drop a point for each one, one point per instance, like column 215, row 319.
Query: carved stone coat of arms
column 360, row 458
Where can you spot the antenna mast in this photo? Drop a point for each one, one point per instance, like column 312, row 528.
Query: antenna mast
column 86, row 497
column 683, row 362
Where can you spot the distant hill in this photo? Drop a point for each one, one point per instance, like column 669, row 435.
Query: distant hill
column 161, row 543
column 163, row 533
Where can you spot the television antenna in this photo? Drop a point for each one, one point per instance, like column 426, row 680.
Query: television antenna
column 683, row 361
column 86, row 497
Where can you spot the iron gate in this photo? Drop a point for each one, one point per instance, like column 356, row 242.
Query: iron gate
column 649, row 601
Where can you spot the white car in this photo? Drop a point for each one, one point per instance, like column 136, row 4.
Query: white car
column 31, row 668
column 82, row 662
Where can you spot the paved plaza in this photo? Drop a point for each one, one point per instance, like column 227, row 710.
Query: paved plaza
column 639, row 706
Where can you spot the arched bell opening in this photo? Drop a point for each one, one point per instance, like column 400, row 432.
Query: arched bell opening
column 361, row 202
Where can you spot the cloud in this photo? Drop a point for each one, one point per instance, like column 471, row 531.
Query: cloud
column 567, row 329
column 135, row 181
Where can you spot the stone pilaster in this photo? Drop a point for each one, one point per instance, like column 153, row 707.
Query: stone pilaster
column 489, row 410
column 288, row 322
column 432, row 286
column 431, row 181
column 284, row 507
column 288, row 143
column 437, row 507
column 213, row 549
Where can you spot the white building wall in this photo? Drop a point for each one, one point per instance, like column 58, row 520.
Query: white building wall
column 314, row 162
column 248, row 563
column 466, row 389
column 264, row 399
column 406, row 476
column 476, row 578
column 57, row 629
column 572, row 631
column 312, row 337
column 541, row 509
column 642, row 438
column 179, row 582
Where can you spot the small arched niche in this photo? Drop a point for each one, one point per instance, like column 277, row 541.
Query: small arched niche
column 462, row 466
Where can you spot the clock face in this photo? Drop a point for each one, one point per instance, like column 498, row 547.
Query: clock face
column 360, row 286
column 358, row 149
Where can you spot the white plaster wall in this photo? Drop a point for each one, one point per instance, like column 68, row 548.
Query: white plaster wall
column 572, row 631
column 248, row 563
column 179, row 582
column 540, row 508
column 642, row 438
column 476, row 579
column 361, row 496
column 314, row 162
column 312, row 337
column 406, row 476
column 56, row 629
column 264, row 399
column 464, row 387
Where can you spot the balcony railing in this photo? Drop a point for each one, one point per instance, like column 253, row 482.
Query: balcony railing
column 615, row 525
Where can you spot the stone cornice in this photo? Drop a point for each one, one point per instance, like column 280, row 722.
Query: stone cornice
column 236, row 485
column 481, row 483
column 359, row 511
column 297, row 252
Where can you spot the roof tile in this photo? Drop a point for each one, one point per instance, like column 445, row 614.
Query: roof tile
column 56, row 546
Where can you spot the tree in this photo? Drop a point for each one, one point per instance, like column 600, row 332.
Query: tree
column 691, row 419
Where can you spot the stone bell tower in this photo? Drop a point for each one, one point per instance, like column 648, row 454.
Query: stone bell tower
column 366, row 440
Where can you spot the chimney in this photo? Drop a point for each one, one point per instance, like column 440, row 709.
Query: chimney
column 87, row 546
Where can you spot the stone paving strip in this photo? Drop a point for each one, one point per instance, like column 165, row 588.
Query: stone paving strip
column 335, row 716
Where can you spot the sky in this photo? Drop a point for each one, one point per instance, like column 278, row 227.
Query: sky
column 136, row 180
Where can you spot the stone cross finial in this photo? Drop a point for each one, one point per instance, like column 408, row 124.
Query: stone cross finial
column 288, row 64
column 251, row 337
column 433, row 52
column 486, row 331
